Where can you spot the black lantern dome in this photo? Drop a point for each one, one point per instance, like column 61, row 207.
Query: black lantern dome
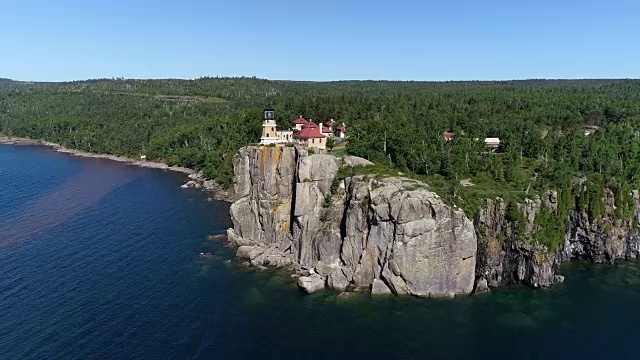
column 269, row 113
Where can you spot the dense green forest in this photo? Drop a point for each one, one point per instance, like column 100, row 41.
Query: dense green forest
column 395, row 124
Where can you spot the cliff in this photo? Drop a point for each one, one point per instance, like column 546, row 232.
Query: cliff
column 506, row 253
column 392, row 234
column 384, row 234
column 607, row 238
column 509, row 250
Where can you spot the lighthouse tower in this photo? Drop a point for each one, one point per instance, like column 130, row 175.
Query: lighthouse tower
column 269, row 135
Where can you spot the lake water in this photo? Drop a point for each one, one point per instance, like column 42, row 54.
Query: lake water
column 99, row 260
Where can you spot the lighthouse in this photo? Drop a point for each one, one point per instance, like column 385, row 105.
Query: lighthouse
column 269, row 132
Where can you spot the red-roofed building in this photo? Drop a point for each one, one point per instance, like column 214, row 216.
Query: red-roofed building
column 302, row 132
column 340, row 131
column 311, row 136
column 448, row 136
column 327, row 128
column 300, row 122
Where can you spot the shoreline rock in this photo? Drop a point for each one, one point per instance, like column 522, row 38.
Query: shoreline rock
column 378, row 287
column 481, row 286
column 311, row 283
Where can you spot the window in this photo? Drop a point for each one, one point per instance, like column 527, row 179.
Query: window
column 313, row 141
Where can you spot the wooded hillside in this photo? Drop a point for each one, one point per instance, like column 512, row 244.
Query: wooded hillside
column 395, row 124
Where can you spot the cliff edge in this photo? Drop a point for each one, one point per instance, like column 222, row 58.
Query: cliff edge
column 383, row 234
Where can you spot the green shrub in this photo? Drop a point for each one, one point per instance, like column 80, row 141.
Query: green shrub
column 335, row 185
column 328, row 201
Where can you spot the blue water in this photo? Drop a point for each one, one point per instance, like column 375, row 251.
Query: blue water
column 99, row 260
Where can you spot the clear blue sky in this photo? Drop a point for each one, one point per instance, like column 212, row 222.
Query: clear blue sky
column 320, row 40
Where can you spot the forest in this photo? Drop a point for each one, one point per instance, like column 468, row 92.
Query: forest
column 399, row 125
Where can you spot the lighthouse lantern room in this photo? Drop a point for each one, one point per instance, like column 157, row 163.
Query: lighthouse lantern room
column 269, row 134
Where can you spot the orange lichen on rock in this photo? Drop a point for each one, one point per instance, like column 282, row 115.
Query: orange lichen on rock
column 277, row 155
column 494, row 247
column 263, row 153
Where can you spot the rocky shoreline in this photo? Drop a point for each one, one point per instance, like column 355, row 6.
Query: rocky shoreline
column 195, row 179
column 388, row 235
column 394, row 235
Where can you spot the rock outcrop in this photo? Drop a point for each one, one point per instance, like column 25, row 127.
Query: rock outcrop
column 605, row 239
column 509, row 253
column 354, row 233
column 505, row 255
column 311, row 283
column 199, row 181
column 392, row 234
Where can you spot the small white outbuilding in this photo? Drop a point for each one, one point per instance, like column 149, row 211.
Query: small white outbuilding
column 493, row 142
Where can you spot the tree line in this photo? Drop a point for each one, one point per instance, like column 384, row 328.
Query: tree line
column 400, row 124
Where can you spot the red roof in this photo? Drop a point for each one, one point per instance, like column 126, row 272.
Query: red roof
column 326, row 130
column 341, row 127
column 309, row 131
column 329, row 123
column 449, row 135
column 301, row 120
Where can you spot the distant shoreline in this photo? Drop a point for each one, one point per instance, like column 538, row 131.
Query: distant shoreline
column 4, row 140
column 216, row 191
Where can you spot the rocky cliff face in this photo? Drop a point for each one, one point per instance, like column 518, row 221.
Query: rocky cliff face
column 506, row 257
column 382, row 234
column 395, row 235
column 262, row 213
column 605, row 239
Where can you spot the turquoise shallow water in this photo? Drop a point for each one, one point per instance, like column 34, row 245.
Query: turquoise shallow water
column 99, row 260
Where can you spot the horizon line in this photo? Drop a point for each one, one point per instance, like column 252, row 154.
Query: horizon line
column 120, row 78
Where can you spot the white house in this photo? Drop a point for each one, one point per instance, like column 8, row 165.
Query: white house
column 492, row 142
